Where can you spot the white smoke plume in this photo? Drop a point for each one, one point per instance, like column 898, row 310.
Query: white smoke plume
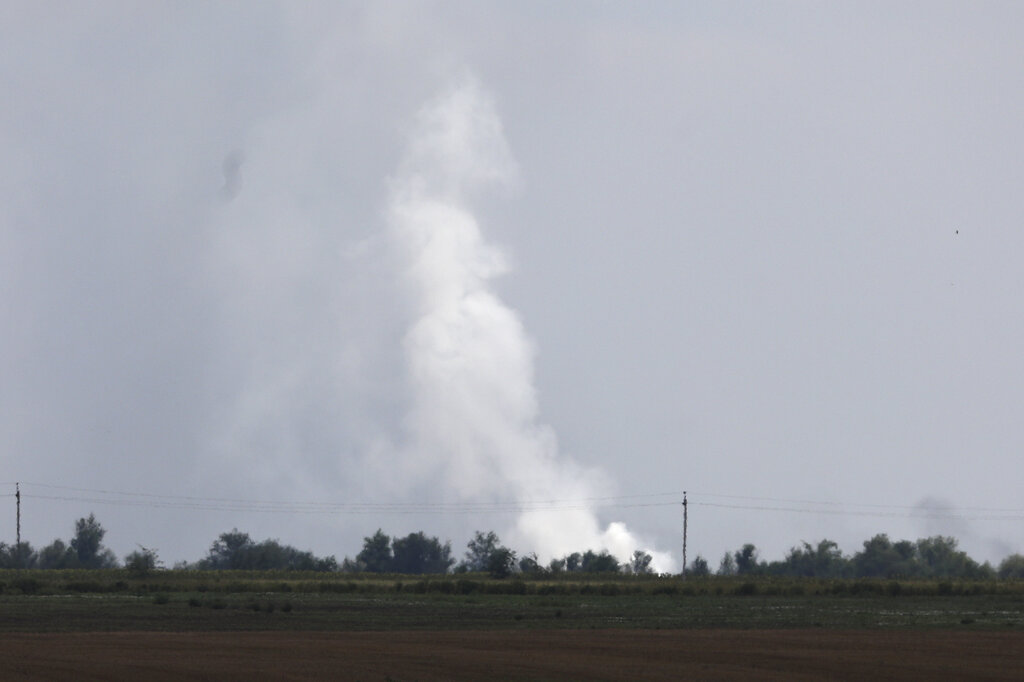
column 474, row 411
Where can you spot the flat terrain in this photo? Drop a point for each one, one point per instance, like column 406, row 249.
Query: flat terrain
column 186, row 625
column 516, row 655
column 398, row 611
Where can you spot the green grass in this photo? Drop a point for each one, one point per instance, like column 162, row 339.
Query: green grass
column 121, row 581
column 190, row 600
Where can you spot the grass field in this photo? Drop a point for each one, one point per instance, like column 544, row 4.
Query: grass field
column 66, row 601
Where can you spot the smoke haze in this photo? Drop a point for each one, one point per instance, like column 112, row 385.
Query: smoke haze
column 758, row 253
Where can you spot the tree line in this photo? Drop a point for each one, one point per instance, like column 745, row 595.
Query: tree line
column 417, row 553
column 933, row 557
column 84, row 550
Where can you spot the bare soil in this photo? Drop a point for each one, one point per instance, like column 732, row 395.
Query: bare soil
column 516, row 655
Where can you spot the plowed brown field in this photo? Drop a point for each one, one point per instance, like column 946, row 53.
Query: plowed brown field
column 516, row 655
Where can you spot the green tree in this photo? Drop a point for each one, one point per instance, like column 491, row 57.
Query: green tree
column 822, row 561
column 296, row 560
column 88, row 544
column 529, row 564
column 746, row 560
column 1012, row 567
column 271, row 555
column 881, row 558
column 416, row 553
column 479, row 551
column 19, row 555
column 486, row 553
column 727, row 566
column 56, row 555
column 376, row 555
column 142, row 561
column 640, row 563
column 938, row 557
column 501, row 563
column 699, row 567
column 235, row 550
column 599, row 563
column 829, row 561
column 229, row 551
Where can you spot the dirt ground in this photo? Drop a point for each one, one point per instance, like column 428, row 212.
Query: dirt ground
column 516, row 655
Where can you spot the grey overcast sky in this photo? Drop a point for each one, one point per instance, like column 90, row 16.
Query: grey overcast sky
column 768, row 253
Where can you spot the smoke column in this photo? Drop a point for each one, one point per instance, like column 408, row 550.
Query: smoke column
column 474, row 409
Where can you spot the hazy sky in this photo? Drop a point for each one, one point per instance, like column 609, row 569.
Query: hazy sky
column 768, row 253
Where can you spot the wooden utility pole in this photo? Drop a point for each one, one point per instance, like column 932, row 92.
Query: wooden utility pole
column 684, row 535
column 17, row 504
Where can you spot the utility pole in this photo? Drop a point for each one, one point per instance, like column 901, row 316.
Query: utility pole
column 684, row 535
column 17, row 503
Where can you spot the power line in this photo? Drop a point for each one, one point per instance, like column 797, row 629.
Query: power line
column 642, row 500
column 346, row 509
column 857, row 504
column 454, row 505
column 924, row 514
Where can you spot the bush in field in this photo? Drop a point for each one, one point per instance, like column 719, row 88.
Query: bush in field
column 142, row 562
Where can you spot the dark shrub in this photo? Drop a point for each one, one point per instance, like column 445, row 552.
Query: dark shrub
column 84, row 586
column 464, row 586
column 26, row 585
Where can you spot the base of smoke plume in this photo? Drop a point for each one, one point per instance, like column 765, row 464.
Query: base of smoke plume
column 554, row 534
